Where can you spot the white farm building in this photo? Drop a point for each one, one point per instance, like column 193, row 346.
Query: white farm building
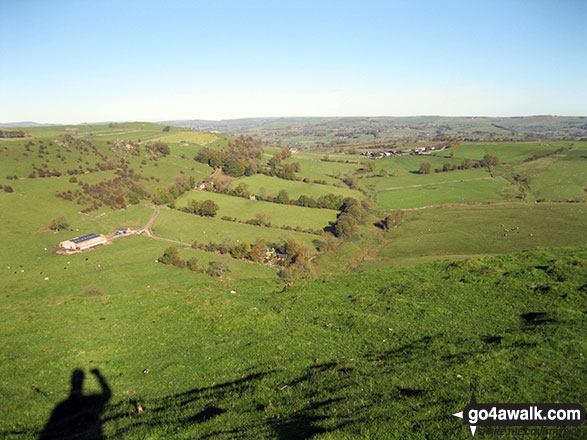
column 84, row 242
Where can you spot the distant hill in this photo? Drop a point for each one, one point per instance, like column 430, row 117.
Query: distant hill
column 317, row 131
column 24, row 124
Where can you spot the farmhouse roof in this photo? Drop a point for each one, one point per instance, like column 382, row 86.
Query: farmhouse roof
column 84, row 238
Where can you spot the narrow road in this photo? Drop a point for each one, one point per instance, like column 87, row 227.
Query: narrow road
column 150, row 233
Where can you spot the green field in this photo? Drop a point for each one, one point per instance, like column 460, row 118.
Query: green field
column 486, row 190
column 509, row 151
column 371, row 355
column 186, row 228
column 483, row 230
column 281, row 215
column 192, row 137
column 381, row 344
column 312, row 167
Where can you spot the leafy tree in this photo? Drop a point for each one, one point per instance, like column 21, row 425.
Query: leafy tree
column 263, row 219
column 166, row 128
column 171, row 256
column 208, row 208
column 234, row 167
column 424, row 168
column 217, row 268
column 489, row 160
column 282, row 197
column 162, row 148
column 295, row 252
column 467, row 164
column 345, row 226
column 241, row 190
column 392, row 220
column 258, row 250
column 240, row 250
column 59, row 222
column 351, row 181
column 192, row 264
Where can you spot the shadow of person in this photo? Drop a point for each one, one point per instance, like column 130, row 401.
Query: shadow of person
column 79, row 416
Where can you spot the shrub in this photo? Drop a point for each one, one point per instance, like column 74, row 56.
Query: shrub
column 192, row 264
column 216, row 268
column 59, row 222
column 345, row 226
column 8, row 189
column 392, row 220
column 171, row 256
column 424, row 168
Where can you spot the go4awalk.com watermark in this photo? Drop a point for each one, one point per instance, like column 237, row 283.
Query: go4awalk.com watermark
column 542, row 420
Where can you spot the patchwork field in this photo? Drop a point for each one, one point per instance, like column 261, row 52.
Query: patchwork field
column 510, row 152
column 192, row 137
column 280, row 215
column 272, row 185
column 384, row 341
column 186, row 228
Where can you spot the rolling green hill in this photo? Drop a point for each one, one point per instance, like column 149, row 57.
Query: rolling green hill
column 477, row 275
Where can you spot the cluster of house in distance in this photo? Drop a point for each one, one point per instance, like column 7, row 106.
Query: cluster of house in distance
column 418, row 150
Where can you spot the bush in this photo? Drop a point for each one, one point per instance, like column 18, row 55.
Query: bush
column 192, row 264
column 392, row 220
column 217, row 268
column 8, row 189
column 59, row 222
column 345, row 226
column 171, row 256
column 424, row 168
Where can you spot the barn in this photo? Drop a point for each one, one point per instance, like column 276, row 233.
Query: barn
column 84, row 242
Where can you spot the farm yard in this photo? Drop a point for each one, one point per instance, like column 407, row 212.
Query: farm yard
column 376, row 276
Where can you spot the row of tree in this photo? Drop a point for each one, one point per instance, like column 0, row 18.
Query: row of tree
column 171, row 257
column 487, row 161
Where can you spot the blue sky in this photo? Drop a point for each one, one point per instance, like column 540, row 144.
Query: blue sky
column 71, row 62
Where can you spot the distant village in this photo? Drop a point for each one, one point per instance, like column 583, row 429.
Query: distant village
column 413, row 151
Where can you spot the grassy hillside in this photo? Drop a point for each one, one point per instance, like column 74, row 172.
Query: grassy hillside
column 386, row 354
column 187, row 228
column 378, row 345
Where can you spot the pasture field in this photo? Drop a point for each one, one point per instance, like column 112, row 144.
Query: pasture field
column 281, row 215
column 186, row 228
column 371, row 355
column 312, row 167
column 125, row 130
column 559, row 177
column 191, row 137
column 484, row 230
column 272, row 185
column 509, row 152
column 486, row 190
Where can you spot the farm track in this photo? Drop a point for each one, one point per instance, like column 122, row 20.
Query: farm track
column 432, row 184
column 154, row 237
